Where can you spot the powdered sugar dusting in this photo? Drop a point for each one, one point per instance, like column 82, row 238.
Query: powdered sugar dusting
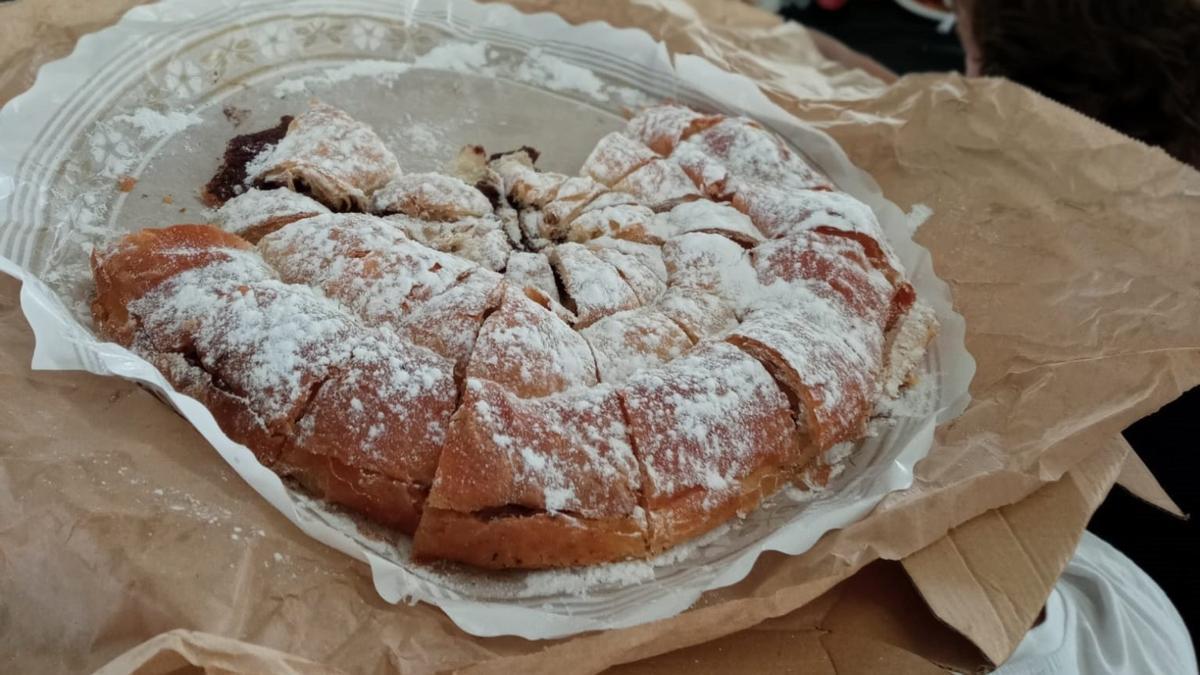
column 614, row 157
column 480, row 240
column 566, row 455
column 707, row 419
column 155, row 124
column 255, row 207
column 530, row 350
column 551, row 72
column 460, row 57
column 631, row 341
column 531, row 270
column 714, row 264
column 340, row 160
column 659, row 184
column 707, row 216
column 595, row 286
column 430, row 196
column 268, row 340
column 366, row 263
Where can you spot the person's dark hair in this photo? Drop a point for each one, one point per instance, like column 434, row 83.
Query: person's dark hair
column 1132, row 64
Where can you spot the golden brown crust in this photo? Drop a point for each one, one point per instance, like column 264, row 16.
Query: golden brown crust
column 833, row 267
column 527, row 541
column 826, row 381
column 565, row 453
column 534, row 483
column 256, row 232
column 661, row 128
column 231, row 412
column 354, row 415
column 144, row 259
column 529, row 349
column 387, row 501
column 691, row 514
column 714, row 436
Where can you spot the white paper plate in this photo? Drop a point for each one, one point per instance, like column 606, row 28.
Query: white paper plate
column 146, row 99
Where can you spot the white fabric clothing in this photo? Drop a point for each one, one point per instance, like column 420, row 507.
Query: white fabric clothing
column 1105, row 616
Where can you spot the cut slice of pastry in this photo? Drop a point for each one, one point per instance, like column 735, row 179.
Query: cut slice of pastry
column 532, row 270
column 231, row 179
column 832, row 267
column 707, row 216
column 714, row 437
column 529, row 350
column 780, row 212
column 591, row 287
column 256, row 213
column 627, row 342
column 449, row 323
column 662, row 127
column 138, row 262
column 430, row 196
column 572, row 196
column 826, row 359
column 624, row 221
column 364, row 262
column 536, row 233
column 648, row 254
column 525, row 186
column 370, row 435
column 739, row 150
column 534, row 483
column 479, row 240
column 349, row 411
column 615, row 156
column 329, row 155
column 262, row 342
column 660, row 184
column 838, row 269
column 646, row 284
column 702, row 315
column 710, row 263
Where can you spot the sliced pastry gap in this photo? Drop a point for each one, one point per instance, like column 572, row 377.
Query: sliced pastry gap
column 644, row 483
column 460, row 368
column 564, row 297
column 786, row 380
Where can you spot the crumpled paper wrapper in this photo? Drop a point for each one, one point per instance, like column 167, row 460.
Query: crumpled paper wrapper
column 1070, row 250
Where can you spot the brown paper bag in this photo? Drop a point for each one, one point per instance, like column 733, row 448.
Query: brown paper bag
column 1069, row 251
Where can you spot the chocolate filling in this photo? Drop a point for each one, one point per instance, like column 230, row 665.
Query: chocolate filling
column 532, row 152
column 230, row 179
column 489, row 191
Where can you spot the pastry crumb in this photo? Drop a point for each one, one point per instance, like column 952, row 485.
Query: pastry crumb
column 126, row 183
column 235, row 115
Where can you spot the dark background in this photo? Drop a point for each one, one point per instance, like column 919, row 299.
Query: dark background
column 1166, row 547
